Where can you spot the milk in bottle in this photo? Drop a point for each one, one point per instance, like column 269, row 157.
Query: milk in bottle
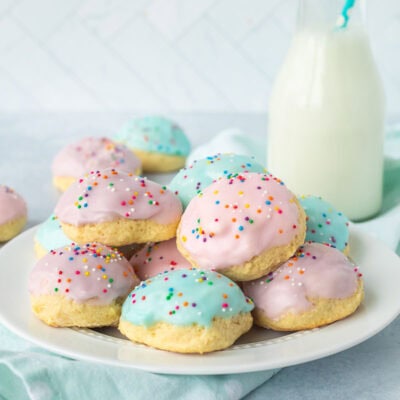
column 326, row 112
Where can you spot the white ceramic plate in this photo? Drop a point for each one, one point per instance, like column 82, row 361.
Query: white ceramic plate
column 258, row 350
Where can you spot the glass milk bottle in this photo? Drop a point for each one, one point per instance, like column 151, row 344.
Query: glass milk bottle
column 326, row 111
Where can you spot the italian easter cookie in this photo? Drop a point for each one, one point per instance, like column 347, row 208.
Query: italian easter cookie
column 156, row 258
column 317, row 286
column 81, row 286
column 243, row 226
column 325, row 224
column 161, row 144
column 13, row 213
column 117, row 208
column 49, row 236
column 231, row 140
column 187, row 311
column 91, row 154
column 191, row 180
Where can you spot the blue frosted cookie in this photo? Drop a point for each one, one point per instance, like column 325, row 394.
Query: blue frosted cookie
column 191, row 180
column 187, row 311
column 325, row 224
column 161, row 144
column 49, row 236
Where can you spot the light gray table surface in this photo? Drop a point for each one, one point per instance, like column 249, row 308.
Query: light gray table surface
column 28, row 143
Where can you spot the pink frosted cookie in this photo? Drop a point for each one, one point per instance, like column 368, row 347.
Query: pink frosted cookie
column 91, row 154
column 156, row 258
column 243, row 226
column 118, row 208
column 81, row 286
column 317, row 286
column 13, row 213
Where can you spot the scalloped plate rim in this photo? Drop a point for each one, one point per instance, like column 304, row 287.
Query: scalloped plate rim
column 380, row 307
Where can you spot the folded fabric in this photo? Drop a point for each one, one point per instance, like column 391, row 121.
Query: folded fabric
column 29, row 372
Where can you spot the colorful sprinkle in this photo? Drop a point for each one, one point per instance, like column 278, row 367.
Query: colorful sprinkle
column 197, row 304
column 82, row 277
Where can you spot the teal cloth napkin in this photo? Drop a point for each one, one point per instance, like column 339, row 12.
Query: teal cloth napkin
column 29, row 372
column 386, row 226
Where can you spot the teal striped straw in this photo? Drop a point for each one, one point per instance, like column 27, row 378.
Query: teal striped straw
column 344, row 16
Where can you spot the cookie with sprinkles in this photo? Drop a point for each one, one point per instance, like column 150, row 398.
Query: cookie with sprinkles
column 118, row 208
column 156, row 258
column 13, row 213
column 91, row 154
column 81, row 286
column 186, row 311
column 191, row 180
column 50, row 236
column 243, row 226
column 317, row 286
column 325, row 224
column 160, row 143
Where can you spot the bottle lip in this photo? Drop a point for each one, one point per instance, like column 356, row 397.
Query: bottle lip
column 327, row 14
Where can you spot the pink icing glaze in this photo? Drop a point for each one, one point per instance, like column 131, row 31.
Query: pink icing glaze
column 12, row 205
column 315, row 271
column 91, row 273
column 93, row 153
column 235, row 219
column 110, row 195
column 158, row 257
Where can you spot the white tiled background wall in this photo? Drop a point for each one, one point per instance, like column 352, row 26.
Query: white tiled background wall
column 159, row 55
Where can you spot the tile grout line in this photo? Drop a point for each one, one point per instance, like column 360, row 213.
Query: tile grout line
column 183, row 57
column 62, row 67
column 236, row 47
column 9, row 9
column 20, row 88
column 124, row 62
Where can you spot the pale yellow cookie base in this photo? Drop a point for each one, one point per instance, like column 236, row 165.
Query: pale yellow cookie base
column 120, row 232
column 60, row 311
column 159, row 162
column 62, row 183
column 40, row 251
column 263, row 263
column 222, row 333
column 11, row 228
column 324, row 311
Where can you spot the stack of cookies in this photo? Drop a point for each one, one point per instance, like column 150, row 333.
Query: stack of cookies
column 224, row 246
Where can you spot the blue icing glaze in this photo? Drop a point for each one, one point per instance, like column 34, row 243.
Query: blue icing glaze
column 185, row 297
column 324, row 223
column 50, row 235
column 154, row 134
column 190, row 181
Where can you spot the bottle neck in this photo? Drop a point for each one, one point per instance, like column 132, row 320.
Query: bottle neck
column 330, row 14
